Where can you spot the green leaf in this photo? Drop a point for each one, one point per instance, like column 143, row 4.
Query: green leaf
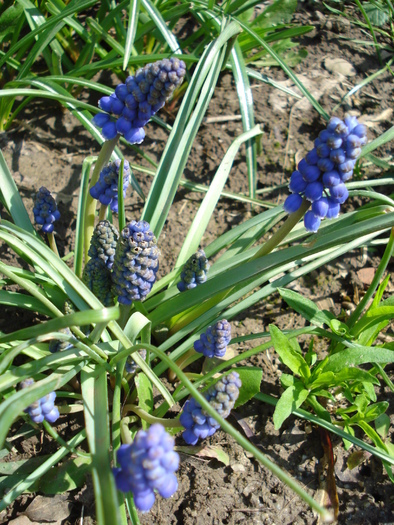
column 9, row 19
column 278, row 12
column 376, row 410
column 145, row 395
column 370, row 391
column 69, row 476
column 382, row 425
column 325, row 379
column 291, row 399
column 288, row 355
column 378, row 14
column 306, row 308
column 356, row 355
column 251, row 380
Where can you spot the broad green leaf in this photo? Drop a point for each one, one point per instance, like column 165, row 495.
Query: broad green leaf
column 378, row 14
column 306, row 307
column 251, row 380
column 325, row 379
column 370, row 391
column 288, row 355
column 356, row 355
column 376, row 410
column 291, row 399
column 9, row 19
column 278, row 12
column 145, row 395
column 355, row 374
column 69, row 476
column 382, row 425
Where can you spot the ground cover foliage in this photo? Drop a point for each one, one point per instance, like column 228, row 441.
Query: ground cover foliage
column 125, row 367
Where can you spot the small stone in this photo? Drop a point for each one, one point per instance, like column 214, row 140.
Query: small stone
column 49, row 508
column 339, row 65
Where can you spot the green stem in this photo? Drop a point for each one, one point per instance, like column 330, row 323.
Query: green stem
column 52, row 432
column 52, row 243
column 245, row 443
column 299, row 412
column 152, row 419
column 291, row 221
column 90, row 211
column 102, row 212
column 185, row 318
column 375, row 281
column 124, row 314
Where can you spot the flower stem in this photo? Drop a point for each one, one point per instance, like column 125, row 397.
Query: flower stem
column 90, row 211
column 102, row 212
column 52, row 243
column 185, row 318
column 151, row 419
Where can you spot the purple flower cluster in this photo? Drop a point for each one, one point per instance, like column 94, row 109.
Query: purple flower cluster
column 222, row 397
column 42, row 409
column 213, row 342
column 133, row 104
column 106, row 188
column 322, row 174
column 136, row 262
column 146, row 465
column 45, row 210
column 194, row 271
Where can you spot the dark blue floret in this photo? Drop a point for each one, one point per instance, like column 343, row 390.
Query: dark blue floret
column 56, row 345
column 103, row 243
column 322, row 173
column 97, row 278
column 147, row 465
column 222, row 397
column 131, row 366
column 106, row 188
column 43, row 408
column 45, row 210
column 136, row 263
column 134, row 103
column 213, row 342
column 194, row 271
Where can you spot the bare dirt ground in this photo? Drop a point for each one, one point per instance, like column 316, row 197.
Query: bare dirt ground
column 48, row 147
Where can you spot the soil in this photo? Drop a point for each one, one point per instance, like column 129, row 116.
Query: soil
column 48, row 146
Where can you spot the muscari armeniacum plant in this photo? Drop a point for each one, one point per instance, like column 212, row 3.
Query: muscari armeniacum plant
column 152, row 321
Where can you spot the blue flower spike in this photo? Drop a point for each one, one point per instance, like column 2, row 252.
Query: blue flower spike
column 106, row 188
column 213, row 342
column 103, row 243
column 134, row 103
column 97, row 278
column 147, row 465
column 42, row 409
column 222, row 397
column 136, row 263
column 194, row 271
column 45, row 210
column 322, row 173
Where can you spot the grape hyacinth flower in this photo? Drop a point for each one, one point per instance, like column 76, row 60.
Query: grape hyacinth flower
column 103, row 243
column 42, row 409
column 136, row 263
column 213, row 342
column 106, row 188
column 97, row 278
column 133, row 104
column 146, row 465
column 131, row 366
column 45, row 210
column 194, row 271
column 321, row 175
column 222, row 397
column 56, row 345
